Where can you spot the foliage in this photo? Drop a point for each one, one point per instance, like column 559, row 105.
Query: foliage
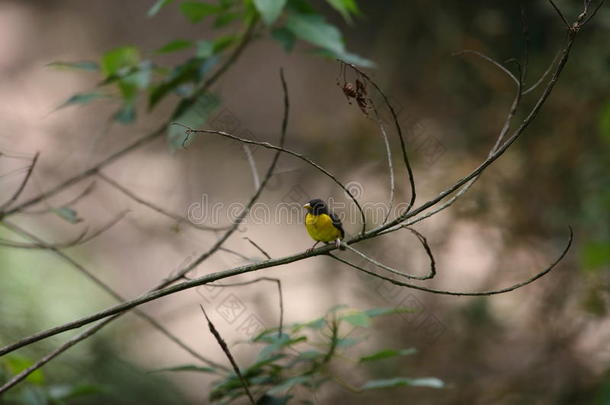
column 301, row 357
column 36, row 390
column 128, row 75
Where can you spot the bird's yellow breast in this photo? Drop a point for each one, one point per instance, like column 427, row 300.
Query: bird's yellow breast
column 321, row 228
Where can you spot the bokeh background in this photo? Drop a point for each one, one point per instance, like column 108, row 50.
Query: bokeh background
column 547, row 343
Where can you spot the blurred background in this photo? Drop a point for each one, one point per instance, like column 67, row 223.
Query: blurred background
column 547, row 343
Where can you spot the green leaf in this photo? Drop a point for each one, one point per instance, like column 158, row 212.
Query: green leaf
column 68, row 214
column 158, row 6
column 289, row 383
column 81, row 99
column 126, row 114
column 279, row 344
column 357, row 319
column 186, row 367
column 222, row 43
column 225, row 19
column 190, row 71
column 355, row 59
column 194, row 116
column 314, row 29
column 205, row 49
column 402, row 381
column 119, row 58
column 269, row 10
column 255, row 368
column 196, row 11
column 345, row 8
column 285, row 37
column 387, row 311
column 348, row 342
column 81, row 65
column 16, row 364
column 175, row 45
column 384, row 354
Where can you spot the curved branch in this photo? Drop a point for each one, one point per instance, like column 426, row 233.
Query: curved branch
column 458, row 293
column 403, row 144
column 490, row 60
column 280, row 149
column 426, row 247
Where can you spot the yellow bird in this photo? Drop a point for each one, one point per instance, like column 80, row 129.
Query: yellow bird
column 321, row 224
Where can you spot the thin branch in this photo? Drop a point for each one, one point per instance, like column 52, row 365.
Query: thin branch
column 277, row 281
column 543, row 76
column 236, row 253
column 154, row 207
column 457, row 293
column 15, row 171
column 298, row 155
column 388, row 152
column 19, row 190
column 526, row 45
column 599, row 5
column 403, row 144
column 563, row 18
column 79, row 240
column 257, row 246
column 490, row 60
column 255, row 179
column 426, row 247
column 225, row 349
column 68, row 203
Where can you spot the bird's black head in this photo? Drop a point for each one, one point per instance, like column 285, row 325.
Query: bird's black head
column 316, row 207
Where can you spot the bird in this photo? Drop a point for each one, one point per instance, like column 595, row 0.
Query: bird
column 321, row 224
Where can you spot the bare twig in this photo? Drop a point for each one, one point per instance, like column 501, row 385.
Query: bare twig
column 257, row 246
column 175, row 217
column 298, row 155
column 86, row 191
column 490, row 60
column 255, row 179
column 403, row 144
column 388, row 152
column 279, row 290
column 563, row 18
column 227, row 352
column 19, row 190
column 426, row 247
column 469, row 294
column 79, row 240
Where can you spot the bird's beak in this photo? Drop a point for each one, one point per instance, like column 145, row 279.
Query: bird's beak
column 307, row 206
